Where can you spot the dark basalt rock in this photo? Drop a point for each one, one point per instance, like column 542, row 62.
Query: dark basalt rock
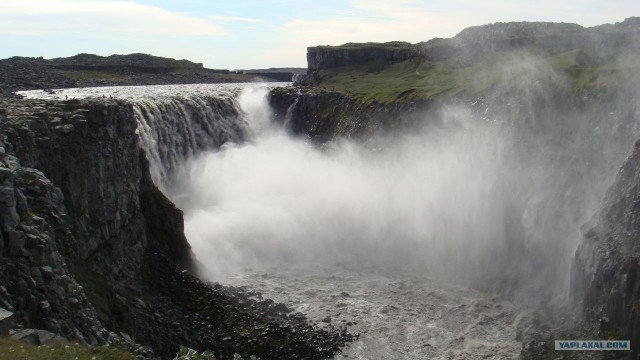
column 605, row 279
column 325, row 115
column 324, row 57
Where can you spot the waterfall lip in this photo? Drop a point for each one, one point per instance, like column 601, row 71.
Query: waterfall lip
column 139, row 92
column 175, row 122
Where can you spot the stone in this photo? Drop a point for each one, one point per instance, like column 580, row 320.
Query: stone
column 45, row 307
column 9, row 218
column 47, row 272
column 73, row 302
column 6, row 322
column 49, row 338
column 4, row 172
column 16, row 240
column 38, row 337
column 29, row 336
column 64, row 129
column 126, row 336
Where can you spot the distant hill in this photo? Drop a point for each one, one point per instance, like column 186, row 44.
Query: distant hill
column 279, row 74
column 85, row 70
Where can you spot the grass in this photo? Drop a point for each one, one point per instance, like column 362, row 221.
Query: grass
column 16, row 350
column 387, row 82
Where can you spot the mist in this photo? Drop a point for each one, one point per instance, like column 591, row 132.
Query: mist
column 490, row 193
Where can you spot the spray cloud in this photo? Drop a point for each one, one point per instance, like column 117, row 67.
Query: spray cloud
column 492, row 193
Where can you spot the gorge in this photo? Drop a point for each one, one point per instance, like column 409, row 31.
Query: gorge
column 440, row 218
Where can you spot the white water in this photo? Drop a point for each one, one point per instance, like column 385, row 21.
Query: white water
column 405, row 224
column 279, row 200
column 398, row 316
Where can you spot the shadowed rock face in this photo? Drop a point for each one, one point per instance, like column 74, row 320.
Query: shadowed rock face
column 324, row 57
column 606, row 269
column 76, row 250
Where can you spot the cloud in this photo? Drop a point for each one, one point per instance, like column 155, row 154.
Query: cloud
column 416, row 20
column 264, row 33
column 376, row 20
column 222, row 18
column 37, row 17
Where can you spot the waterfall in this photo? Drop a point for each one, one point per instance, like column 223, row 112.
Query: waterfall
column 492, row 194
column 493, row 191
column 174, row 129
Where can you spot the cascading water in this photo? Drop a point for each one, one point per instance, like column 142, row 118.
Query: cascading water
column 390, row 235
column 176, row 129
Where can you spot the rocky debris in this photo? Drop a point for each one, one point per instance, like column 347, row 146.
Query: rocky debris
column 230, row 320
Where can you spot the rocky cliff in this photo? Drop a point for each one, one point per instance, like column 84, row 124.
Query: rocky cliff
column 606, row 270
column 88, row 242
column 325, row 115
column 92, row 249
column 324, row 57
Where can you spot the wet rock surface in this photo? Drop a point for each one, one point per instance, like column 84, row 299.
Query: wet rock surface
column 605, row 281
column 325, row 115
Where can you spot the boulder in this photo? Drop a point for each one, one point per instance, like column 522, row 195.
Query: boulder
column 38, row 337
column 6, row 322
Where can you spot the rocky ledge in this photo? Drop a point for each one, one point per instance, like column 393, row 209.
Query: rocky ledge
column 93, row 251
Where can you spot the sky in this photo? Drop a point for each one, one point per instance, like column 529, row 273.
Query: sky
column 249, row 34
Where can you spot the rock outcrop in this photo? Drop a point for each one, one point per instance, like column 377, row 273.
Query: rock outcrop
column 322, row 115
column 324, row 57
column 606, row 270
column 74, row 251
